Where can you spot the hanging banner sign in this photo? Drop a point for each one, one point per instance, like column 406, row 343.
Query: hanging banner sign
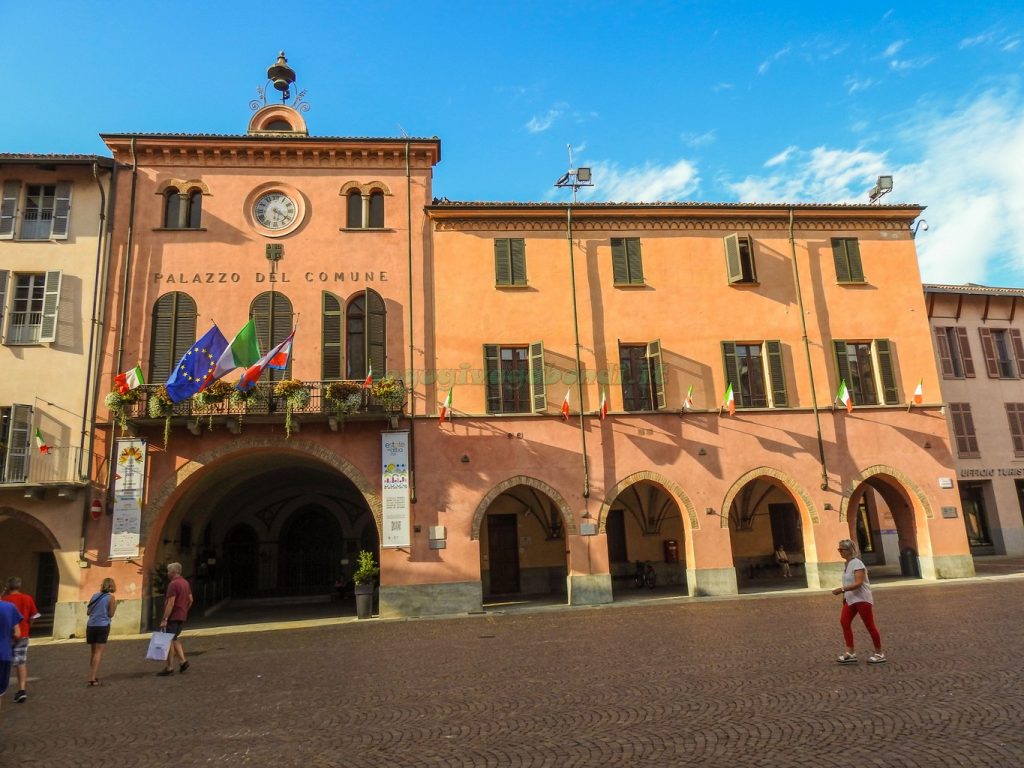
column 129, row 485
column 394, row 482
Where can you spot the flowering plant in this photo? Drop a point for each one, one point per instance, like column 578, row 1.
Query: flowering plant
column 296, row 397
column 160, row 406
column 389, row 392
column 118, row 404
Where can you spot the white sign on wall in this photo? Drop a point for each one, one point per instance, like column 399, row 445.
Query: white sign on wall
column 394, row 482
column 126, row 528
column 129, row 485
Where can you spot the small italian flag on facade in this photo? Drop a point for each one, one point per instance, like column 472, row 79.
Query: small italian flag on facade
column 843, row 396
column 446, row 409
column 129, row 380
column 41, row 444
column 603, row 410
column 919, row 393
column 730, row 400
column 565, row 405
column 368, row 382
column 688, row 401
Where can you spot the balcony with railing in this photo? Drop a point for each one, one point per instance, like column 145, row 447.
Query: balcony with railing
column 29, row 468
column 24, row 327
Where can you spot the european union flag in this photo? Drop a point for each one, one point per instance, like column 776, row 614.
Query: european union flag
column 195, row 369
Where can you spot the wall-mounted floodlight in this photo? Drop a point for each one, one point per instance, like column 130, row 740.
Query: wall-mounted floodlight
column 882, row 187
column 919, row 224
column 575, row 177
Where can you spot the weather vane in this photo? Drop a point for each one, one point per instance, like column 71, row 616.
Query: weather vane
column 281, row 77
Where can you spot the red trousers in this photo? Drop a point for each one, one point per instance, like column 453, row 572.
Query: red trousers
column 864, row 610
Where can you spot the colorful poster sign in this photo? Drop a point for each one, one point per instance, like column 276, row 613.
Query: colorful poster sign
column 126, row 528
column 129, row 486
column 394, row 484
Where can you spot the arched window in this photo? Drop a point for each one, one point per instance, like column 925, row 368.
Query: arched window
column 272, row 314
column 278, row 125
column 354, row 219
column 174, row 330
column 365, row 336
column 376, row 209
column 330, row 343
column 195, row 209
column 172, row 208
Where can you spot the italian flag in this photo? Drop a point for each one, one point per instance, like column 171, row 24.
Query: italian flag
column 242, row 352
column 688, row 401
column 446, row 408
column 565, row 406
column 369, row 378
column 843, row 396
column 603, row 409
column 129, row 380
column 41, row 444
column 919, row 393
column 730, row 400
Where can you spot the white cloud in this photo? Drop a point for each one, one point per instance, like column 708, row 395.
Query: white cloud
column 982, row 39
column 902, row 65
column 539, row 124
column 773, row 58
column 854, row 84
column 782, row 157
column 647, row 183
column 964, row 166
column 893, row 49
column 699, row 140
column 722, row 87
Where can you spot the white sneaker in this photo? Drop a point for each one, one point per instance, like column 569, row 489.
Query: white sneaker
column 848, row 658
column 877, row 658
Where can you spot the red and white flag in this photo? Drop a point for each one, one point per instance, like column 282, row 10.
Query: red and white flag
column 369, row 378
column 565, row 406
column 446, row 409
column 603, row 410
column 253, row 372
column 279, row 361
column 129, row 380
column 919, row 393
column 843, row 396
column 41, row 444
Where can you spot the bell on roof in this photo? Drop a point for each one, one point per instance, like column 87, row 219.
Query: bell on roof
column 282, row 76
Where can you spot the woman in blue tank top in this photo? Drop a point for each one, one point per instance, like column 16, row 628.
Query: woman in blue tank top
column 100, row 610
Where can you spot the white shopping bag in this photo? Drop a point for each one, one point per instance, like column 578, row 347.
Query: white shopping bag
column 159, row 646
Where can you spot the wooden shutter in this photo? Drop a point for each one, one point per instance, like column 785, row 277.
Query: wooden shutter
column 886, row 371
column 51, row 306
column 945, row 357
column 620, row 270
column 330, row 337
column 963, row 429
column 776, row 374
column 1015, row 415
column 657, row 374
column 19, row 437
column 61, row 211
column 492, row 382
column 9, row 209
column 271, row 313
column 538, row 391
column 502, row 261
column 517, row 248
column 161, row 339
column 839, row 256
column 842, row 366
column 633, row 261
column 732, row 371
column 1018, row 351
column 376, row 333
column 3, row 302
column 853, row 257
column 965, row 352
column 988, row 348
column 733, row 263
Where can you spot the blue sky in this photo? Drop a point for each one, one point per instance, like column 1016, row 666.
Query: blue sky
column 666, row 101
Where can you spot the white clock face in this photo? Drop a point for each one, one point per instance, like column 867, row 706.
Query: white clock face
column 275, row 210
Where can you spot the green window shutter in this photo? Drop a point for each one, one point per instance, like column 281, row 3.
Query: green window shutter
column 502, row 261
column 161, row 339
column 853, row 258
column 259, row 312
column 732, row 371
column 271, row 313
column 777, row 374
column 330, row 337
column 376, row 333
column 988, row 348
column 965, row 352
column 620, row 272
column 51, row 306
column 19, row 437
column 1018, row 351
column 945, row 356
column 842, row 365
column 492, row 371
column 657, row 373
column 9, row 208
column 633, row 261
column 733, row 266
column 538, row 392
column 518, row 254
column 3, row 301
column 883, row 349
column 839, row 256
column 61, row 211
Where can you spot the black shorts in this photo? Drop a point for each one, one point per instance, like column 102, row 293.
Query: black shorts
column 97, row 635
column 174, row 627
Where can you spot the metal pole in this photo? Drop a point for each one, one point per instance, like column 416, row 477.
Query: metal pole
column 579, row 373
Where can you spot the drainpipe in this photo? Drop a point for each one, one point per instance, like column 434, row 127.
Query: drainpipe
column 412, row 345
column 807, row 352
column 127, row 259
column 89, row 408
column 579, row 374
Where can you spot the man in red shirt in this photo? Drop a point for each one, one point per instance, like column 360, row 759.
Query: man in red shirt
column 176, row 605
column 19, row 650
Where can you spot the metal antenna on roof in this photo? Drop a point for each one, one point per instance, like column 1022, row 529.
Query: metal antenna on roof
column 574, row 177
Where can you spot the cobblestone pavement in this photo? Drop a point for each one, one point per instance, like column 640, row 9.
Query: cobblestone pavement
column 731, row 682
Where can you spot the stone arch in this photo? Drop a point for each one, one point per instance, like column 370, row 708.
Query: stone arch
column 183, row 185
column 65, row 574
column 568, row 521
column 161, row 502
column 923, row 507
column 798, row 492
column 673, row 488
column 364, row 188
column 271, row 113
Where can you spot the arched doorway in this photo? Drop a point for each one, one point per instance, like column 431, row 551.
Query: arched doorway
column 644, row 525
column 882, row 520
column 242, row 559
column 311, row 549
column 764, row 516
column 27, row 550
column 522, row 546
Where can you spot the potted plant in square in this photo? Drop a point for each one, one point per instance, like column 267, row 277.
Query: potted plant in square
column 365, row 580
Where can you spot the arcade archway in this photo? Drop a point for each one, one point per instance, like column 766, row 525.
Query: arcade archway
column 28, row 550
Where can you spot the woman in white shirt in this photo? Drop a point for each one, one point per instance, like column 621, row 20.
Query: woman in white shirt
column 857, row 601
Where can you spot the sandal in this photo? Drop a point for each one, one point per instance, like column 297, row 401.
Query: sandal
column 93, row 683
column 847, row 658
